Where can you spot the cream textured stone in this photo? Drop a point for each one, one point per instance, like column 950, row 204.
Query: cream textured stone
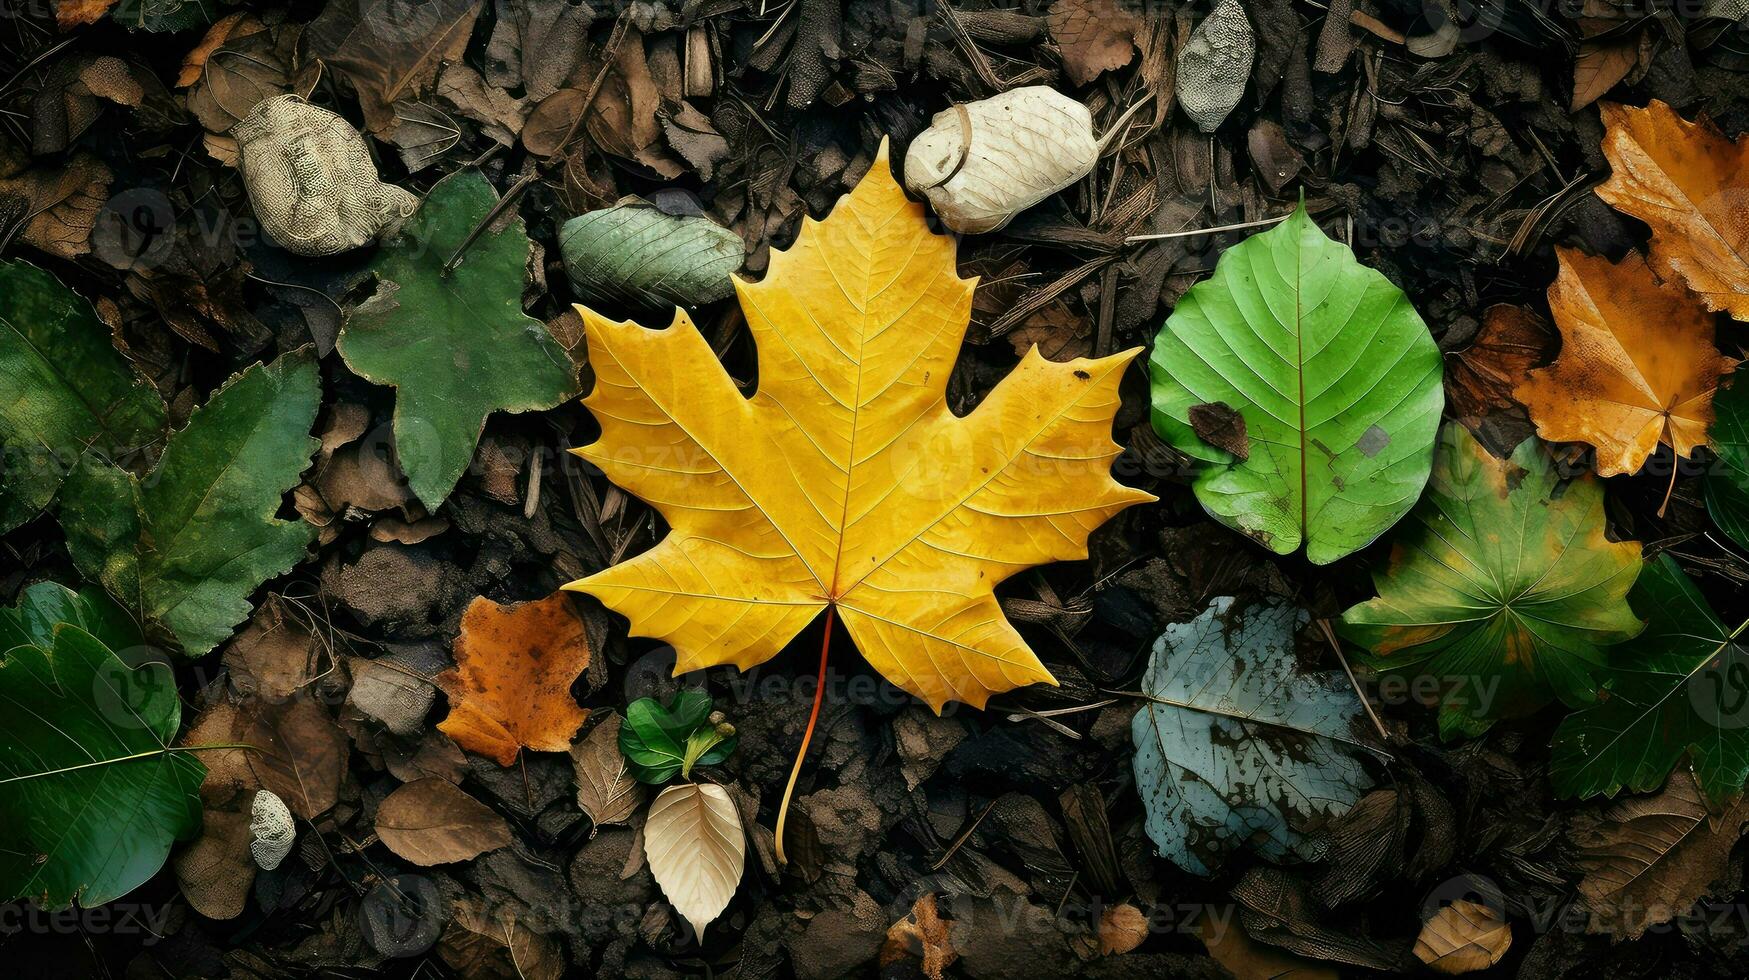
column 271, row 830
column 311, row 178
column 1215, row 65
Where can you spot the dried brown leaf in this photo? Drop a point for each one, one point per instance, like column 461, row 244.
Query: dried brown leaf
column 1093, row 37
column 1247, row 959
column 1479, row 379
column 1463, row 937
column 606, row 790
column 76, row 13
column 58, row 208
column 1599, row 66
column 923, row 937
column 430, row 821
column 1647, row 859
column 195, row 61
column 390, row 49
column 1122, row 928
column 1637, row 364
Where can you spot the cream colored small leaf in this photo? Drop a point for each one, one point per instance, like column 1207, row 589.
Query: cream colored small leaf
column 1215, row 65
column 981, row 163
column 696, row 849
column 1463, row 937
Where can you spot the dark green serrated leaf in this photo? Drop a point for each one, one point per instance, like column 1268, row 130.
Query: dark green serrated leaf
column 63, row 388
column 184, row 548
column 1682, row 686
column 1335, row 376
column 455, row 347
column 91, row 794
column 1502, row 585
column 1727, row 486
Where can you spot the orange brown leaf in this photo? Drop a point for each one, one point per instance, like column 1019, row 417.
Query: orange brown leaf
column 195, row 61
column 845, row 480
column 76, row 13
column 1691, row 184
column 511, row 686
column 1479, row 379
column 1637, row 365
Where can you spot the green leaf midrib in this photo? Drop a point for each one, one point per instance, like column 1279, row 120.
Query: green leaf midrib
column 1300, row 377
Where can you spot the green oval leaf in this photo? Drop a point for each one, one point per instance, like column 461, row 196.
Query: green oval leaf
column 635, row 255
column 91, row 793
column 1335, row 376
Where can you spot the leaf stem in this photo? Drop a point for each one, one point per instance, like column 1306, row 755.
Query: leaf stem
column 129, row 758
column 807, row 736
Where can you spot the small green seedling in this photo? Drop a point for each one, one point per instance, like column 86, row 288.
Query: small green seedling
column 659, row 743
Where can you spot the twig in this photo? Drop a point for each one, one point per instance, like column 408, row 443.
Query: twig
column 1330, row 634
column 1158, row 236
column 504, row 203
column 959, row 841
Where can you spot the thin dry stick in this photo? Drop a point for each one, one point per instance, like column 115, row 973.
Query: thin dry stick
column 504, row 203
column 1330, row 634
column 963, row 837
column 1154, row 237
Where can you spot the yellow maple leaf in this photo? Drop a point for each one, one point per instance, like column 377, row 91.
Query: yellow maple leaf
column 1691, row 184
column 845, row 481
column 1637, row 364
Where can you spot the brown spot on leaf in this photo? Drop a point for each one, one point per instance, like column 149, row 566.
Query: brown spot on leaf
column 1221, row 426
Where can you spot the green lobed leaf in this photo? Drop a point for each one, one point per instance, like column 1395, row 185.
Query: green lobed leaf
column 184, row 548
column 655, row 740
column 456, row 348
column 1335, row 376
column 63, row 388
column 1682, row 686
column 1727, row 486
column 1238, row 745
column 1502, row 585
column 91, row 794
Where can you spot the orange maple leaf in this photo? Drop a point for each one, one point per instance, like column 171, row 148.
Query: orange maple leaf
column 1637, row 364
column 511, row 686
column 1691, row 184
column 845, row 481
